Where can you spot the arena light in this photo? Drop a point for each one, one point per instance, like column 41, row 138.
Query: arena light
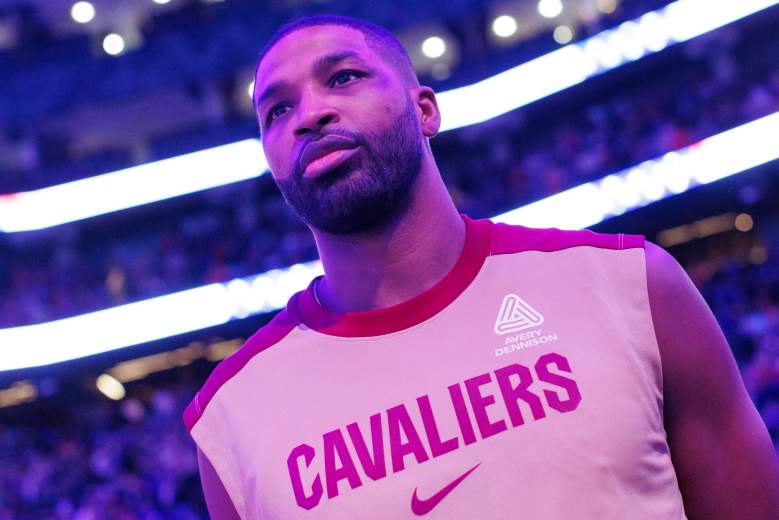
column 607, row 6
column 110, row 387
column 140, row 367
column 744, row 222
column 562, row 34
column 575, row 63
column 434, row 47
column 702, row 228
column 550, row 8
column 710, row 160
column 460, row 107
column 82, row 12
column 132, row 187
column 18, row 393
column 725, row 154
column 113, row 44
column 113, row 328
column 504, row 26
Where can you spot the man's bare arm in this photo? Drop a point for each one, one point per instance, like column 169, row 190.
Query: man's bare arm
column 721, row 450
column 220, row 507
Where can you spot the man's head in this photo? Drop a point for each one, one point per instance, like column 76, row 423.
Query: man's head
column 343, row 120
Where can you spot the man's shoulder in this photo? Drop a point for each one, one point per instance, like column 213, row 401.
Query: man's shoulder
column 266, row 337
column 511, row 238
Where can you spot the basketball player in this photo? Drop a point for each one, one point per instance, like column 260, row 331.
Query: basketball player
column 453, row 368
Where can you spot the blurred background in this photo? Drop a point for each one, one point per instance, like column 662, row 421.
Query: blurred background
column 130, row 171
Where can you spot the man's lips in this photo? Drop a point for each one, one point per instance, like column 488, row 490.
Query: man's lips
column 325, row 154
column 327, row 162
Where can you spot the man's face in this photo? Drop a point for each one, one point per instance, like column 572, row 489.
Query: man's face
column 339, row 129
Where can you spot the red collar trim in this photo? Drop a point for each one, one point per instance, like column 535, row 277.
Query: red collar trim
column 478, row 242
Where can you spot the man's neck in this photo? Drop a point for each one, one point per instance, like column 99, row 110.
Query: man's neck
column 372, row 271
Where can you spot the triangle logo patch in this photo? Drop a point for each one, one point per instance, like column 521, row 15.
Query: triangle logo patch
column 516, row 314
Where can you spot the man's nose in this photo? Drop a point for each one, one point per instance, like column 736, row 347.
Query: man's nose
column 313, row 116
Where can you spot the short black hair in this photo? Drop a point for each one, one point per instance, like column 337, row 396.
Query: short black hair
column 382, row 41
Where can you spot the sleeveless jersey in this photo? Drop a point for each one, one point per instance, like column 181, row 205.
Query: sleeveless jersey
column 526, row 384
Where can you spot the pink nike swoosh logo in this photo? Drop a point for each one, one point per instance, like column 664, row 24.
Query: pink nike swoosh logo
column 422, row 507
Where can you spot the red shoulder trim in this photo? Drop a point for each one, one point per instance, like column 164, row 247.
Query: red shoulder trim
column 266, row 337
column 514, row 239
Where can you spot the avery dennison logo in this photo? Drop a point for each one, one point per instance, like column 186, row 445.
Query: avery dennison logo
column 516, row 314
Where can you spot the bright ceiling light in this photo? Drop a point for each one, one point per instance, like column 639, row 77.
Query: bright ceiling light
column 550, row 8
column 113, row 44
column 434, row 47
column 563, row 34
column 250, row 89
column 110, row 387
column 607, row 6
column 161, row 2
column 82, row 12
column 744, row 222
column 504, row 26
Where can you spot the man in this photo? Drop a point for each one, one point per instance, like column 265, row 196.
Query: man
column 455, row 368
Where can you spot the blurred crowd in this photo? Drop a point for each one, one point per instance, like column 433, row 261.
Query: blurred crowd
column 245, row 228
column 745, row 301
column 131, row 460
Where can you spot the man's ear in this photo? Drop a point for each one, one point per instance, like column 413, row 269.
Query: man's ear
column 427, row 107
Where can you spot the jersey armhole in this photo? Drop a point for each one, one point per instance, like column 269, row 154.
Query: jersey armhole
column 218, row 500
column 269, row 335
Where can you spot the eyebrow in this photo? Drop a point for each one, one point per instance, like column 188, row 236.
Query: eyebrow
column 322, row 63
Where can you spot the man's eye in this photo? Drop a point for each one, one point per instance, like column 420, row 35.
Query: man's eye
column 276, row 111
column 343, row 77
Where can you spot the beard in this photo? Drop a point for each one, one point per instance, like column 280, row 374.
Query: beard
column 369, row 189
